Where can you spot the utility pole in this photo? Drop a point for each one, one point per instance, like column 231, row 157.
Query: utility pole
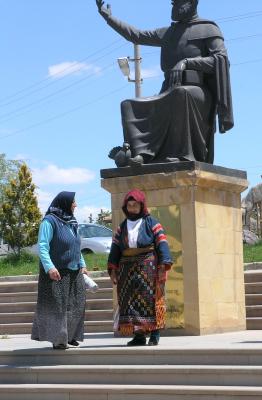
column 138, row 79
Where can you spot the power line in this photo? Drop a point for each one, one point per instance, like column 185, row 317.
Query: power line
column 259, row 60
column 239, row 17
column 244, row 37
column 256, row 35
column 36, row 104
column 54, row 82
column 73, row 110
column 33, row 104
column 90, row 75
column 43, row 99
column 225, row 19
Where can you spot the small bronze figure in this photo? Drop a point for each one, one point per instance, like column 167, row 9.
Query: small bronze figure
column 180, row 122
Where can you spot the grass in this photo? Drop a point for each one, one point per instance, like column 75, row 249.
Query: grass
column 11, row 265
column 28, row 264
column 253, row 253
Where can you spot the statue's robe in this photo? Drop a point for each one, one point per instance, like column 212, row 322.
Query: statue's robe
column 181, row 121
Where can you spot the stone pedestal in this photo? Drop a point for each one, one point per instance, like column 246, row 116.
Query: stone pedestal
column 199, row 206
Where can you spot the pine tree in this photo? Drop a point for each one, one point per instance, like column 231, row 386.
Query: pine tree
column 19, row 213
column 8, row 170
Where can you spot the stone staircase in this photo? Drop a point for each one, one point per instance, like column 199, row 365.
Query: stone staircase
column 106, row 371
column 18, row 302
column 118, row 373
column 253, row 289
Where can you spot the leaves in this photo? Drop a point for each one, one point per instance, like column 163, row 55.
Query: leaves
column 19, row 213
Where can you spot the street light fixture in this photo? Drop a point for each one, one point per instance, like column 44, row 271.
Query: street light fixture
column 123, row 63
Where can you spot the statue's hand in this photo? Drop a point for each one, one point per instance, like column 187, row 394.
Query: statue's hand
column 176, row 73
column 104, row 11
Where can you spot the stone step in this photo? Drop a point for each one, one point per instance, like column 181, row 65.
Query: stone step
column 253, row 299
column 253, row 276
column 19, row 317
column 91, row 304
column 25, row 328
column 254, row 323
column 106, row 355
column 20, row 297
column 254, row 311
column 198, row 375
column 128, row 392
column 22, row 278
column 253, row 288
column 31, row 286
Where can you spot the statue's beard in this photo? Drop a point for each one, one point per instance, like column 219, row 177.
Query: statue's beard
column 183, row 12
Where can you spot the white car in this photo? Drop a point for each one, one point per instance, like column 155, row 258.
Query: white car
column 95, row 238
column 4, row 248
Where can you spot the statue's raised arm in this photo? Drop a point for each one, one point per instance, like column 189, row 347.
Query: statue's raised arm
column 129, row 32
column 104, row 11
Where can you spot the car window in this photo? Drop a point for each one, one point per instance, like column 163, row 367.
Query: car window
column 84, row 232
column 94, row 231
column 2, row 241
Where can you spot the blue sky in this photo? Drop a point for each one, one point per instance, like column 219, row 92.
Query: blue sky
column 61, row 88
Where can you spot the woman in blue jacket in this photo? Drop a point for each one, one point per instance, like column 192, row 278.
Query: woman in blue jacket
column 138, row 263
column 60, row 310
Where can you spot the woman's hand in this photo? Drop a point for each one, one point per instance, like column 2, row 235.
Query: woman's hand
column 84, row 271
column 162, row 273
column 54, row 274
column 113, row 277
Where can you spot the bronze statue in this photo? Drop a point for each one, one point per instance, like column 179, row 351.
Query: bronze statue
column 179, row 124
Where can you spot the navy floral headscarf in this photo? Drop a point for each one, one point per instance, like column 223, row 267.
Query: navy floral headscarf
column 61, row 207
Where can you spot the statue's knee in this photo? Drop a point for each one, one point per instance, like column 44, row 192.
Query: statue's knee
column 181, row 90
column 124, row 106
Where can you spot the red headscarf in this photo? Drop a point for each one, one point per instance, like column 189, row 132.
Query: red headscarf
column 138, row 196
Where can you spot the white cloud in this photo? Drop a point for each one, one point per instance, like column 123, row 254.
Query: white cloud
column 147, row 73
column 82, row 213
column 55, row 175
column 71, row 68
column 44, row 199
column 21, row 157
column 151, row 72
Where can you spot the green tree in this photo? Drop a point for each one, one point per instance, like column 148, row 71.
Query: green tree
column 8, row 170
column 19, row 213
column 104, row 218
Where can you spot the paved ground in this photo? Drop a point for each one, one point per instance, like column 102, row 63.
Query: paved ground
column 235, row 340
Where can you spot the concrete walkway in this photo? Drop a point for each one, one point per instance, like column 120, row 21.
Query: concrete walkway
column 237, row 340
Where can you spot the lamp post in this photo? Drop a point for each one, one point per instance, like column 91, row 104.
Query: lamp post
column 123, row 63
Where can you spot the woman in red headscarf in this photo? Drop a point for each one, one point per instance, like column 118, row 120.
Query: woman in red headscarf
column 138, row 263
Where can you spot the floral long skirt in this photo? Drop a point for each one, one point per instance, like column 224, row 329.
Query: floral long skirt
column 141, row 301
column 60, row 310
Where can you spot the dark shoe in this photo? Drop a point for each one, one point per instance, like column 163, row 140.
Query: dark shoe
column 73, row 343
column 60, row 346
column 154, row 338
column 153, row 341
column 138, row 340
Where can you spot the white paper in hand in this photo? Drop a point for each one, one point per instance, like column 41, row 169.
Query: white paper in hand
column 90, row 284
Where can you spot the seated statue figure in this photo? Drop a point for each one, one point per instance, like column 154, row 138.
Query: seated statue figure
column 178, row 124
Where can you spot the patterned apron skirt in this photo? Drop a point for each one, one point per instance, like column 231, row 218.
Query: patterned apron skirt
column 141, row 301
column 60, row 310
